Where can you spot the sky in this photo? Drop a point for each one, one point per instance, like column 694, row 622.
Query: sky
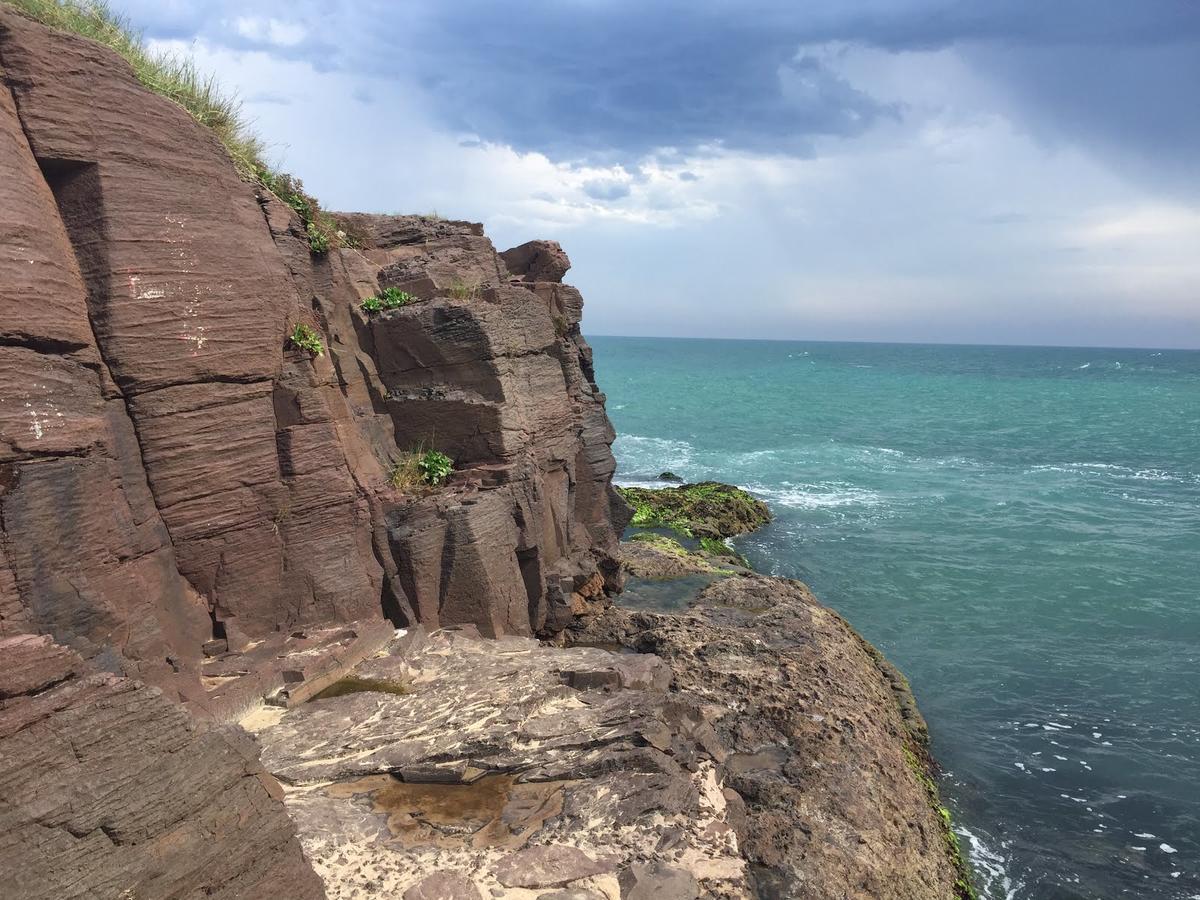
column 964, row 171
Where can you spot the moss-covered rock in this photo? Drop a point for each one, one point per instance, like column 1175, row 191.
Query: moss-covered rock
column 657, row 557
column 706, row 511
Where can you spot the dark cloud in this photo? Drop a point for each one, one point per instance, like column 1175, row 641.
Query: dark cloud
column 606, row 189
column 614, row 80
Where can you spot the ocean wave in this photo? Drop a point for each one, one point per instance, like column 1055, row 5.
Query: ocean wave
column 820, row 495
column 1114, row 471
column 639, row 455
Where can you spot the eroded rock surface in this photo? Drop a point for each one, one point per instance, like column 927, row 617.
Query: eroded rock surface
column 520, row 766
column 107, row 789
column 750, row 747
column 823, row 759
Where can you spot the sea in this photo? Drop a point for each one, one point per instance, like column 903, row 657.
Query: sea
column 1018, row 529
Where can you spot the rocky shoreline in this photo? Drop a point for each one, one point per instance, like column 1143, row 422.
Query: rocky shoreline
column 752, row 746
column 209, row 514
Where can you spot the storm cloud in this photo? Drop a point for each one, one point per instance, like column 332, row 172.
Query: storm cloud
column 1005, row 168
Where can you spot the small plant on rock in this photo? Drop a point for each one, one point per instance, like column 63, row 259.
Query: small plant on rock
column 388, row 298
column 305, row 338
column 393, row 297
column 462, row 290
column 318, row 238
column 435, row 467
column 418, row 470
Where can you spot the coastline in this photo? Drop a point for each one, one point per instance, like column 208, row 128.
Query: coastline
column 437, row 679
column 666, row 559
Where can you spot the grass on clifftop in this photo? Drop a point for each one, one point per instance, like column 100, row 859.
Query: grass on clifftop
column 708, row 511
column 178, row 79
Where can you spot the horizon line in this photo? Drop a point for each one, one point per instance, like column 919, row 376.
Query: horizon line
column 667, row 337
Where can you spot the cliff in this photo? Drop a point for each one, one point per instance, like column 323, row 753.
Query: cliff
column 210, row 421
column 173, row 471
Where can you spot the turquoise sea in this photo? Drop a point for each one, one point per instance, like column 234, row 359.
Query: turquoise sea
column 1018, row 529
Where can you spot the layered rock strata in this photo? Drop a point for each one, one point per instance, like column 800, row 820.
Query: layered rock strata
column 107, row 789
column 172, row 471
column 194, row 509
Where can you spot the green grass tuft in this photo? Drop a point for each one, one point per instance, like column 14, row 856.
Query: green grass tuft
column 418, row 470
column 464, row 290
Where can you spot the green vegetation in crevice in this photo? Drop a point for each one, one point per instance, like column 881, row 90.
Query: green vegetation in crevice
column 419, row 470
column 708, row 510
column 964, row 888
column 304, row 337
column 464, row 290
column 388, row 298
column 178, row 79
column 324, row 232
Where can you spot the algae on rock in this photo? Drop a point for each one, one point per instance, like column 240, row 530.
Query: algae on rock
column 707, row 510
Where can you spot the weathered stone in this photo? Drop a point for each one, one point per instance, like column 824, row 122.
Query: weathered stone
column 108, row 789
column 657, row 881
column 537, row 261
column 818, row 778
column 546, row 866
column 173, row 474
column 443, row 886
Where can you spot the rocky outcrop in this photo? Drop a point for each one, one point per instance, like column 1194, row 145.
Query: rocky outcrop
column 511, row 766
column 194, row 507
column 751, row 747
column 825, row 760
column 173, row 471
column 110, row 790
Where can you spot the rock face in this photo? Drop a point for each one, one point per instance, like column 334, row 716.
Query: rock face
column 172, row 472
column 193, row 509
column 821, row 748
column 110, row 790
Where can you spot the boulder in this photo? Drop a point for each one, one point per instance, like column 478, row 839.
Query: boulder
column 537, row 261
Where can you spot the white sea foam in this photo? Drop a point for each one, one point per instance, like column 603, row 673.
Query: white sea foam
column 819, row 495
column 642, row 455
column 990, row 866
column 1108, row 470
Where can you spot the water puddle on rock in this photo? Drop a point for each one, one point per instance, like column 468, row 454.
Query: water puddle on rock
column 673, row 595
column 494, row 811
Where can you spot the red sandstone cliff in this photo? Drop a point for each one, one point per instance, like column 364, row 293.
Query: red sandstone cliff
column 171, row 471
column 187, row 503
